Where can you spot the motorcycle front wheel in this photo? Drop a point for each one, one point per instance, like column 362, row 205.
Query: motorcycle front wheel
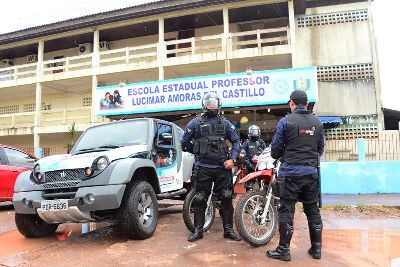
column 188, row 213
column 248, row 218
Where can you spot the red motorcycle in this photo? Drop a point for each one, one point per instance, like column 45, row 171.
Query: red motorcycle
column 256, row 216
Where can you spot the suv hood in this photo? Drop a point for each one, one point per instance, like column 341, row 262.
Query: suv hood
column 68, row 161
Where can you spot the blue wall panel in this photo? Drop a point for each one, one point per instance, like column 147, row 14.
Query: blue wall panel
column 360, row 177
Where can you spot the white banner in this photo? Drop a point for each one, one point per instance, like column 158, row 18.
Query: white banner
column 236, row 90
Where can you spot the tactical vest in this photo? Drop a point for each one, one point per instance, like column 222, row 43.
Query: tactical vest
column 302, row 136
column 253, row 148
column 209, row 145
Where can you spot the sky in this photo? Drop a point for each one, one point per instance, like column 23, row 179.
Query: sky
column 21, row 14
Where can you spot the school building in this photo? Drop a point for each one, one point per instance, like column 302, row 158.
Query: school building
column 54, row 76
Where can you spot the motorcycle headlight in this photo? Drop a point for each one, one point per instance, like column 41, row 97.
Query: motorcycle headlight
column 37, row 175
column 101, row 163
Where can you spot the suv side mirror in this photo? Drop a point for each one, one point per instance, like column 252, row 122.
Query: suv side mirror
column 166, row 138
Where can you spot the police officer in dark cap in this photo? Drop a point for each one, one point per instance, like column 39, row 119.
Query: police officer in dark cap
column 252, row 146
column 205, row 137
column 298, row 142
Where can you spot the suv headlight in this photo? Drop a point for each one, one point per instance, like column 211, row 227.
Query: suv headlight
column 37, row 175
column 98, row 165
column 101, row 163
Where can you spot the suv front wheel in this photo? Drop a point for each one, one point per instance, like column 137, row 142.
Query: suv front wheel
column 138, row 215
column 31, row 225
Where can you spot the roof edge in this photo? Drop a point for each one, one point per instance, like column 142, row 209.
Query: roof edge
column 139, row 11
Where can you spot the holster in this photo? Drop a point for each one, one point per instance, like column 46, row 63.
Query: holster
column 195, row 174
column 278, row 187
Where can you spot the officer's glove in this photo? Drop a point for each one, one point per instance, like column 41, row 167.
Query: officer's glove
column 229, row 164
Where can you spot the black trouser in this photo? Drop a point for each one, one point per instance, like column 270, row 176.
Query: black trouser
column 300, row 188
column 203, row 179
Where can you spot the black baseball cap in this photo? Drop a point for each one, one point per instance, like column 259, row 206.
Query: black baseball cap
column 299, row 96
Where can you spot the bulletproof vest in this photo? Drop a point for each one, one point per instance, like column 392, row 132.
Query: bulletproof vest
column 253, row 148
column 209, row 145
column 302, row 136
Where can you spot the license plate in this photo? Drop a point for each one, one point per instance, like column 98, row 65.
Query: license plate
column 54, row 205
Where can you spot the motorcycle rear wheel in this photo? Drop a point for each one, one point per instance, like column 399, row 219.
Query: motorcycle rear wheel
column 247, row 218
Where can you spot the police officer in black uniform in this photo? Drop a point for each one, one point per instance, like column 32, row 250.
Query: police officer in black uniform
column 298, row 142
column 252, row 146
column 205, row 137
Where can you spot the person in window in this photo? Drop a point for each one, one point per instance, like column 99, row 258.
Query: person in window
column 105, row 103
column 117, row 100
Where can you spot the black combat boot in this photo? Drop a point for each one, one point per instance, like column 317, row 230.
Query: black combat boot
column 197, row 234
column 227, row 219
column 199, row 217
column 229, row 233
column 316, row 240
column 282, row 251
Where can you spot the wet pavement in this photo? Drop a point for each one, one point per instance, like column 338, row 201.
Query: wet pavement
column 365, row 199
column 347, row 241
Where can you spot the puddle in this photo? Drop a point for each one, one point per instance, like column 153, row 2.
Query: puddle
column 17, row 243
column 357, row 223
column 376, row 244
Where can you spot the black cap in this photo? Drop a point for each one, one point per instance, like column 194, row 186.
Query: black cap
column 299, row 96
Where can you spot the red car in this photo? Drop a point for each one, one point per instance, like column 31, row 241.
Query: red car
column 13, row 161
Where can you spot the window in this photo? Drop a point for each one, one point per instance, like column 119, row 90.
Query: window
column 165, row 152
column 20, row 159
column 332, row 18
column 9, row 109
column 164, row 135
column 31, row 107
column 345, row 72
column 87, row 102
column 123, row 133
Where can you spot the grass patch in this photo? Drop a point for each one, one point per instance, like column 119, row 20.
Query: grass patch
column 338, row 206
column 360, row 205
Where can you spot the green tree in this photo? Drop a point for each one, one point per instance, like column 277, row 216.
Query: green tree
column 71, row 137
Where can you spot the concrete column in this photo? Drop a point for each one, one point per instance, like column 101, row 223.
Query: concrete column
column 39, row 68
column 36, row 144
column 375, row 65
column 93, row 110
column 96, row 50
column 292, row 32
column 95, row 65
column 37, row 119
column 161, row 49
column 226, row 43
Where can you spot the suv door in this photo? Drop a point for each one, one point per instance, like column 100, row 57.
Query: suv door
column 165, row 158
column 17, row 162
column 4, row 173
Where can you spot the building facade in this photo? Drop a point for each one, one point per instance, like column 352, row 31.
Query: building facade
column 49, row 74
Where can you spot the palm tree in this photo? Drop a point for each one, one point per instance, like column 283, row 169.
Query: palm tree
column 71, row 137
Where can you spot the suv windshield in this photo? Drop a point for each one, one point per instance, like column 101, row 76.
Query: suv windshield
column 113, row 135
